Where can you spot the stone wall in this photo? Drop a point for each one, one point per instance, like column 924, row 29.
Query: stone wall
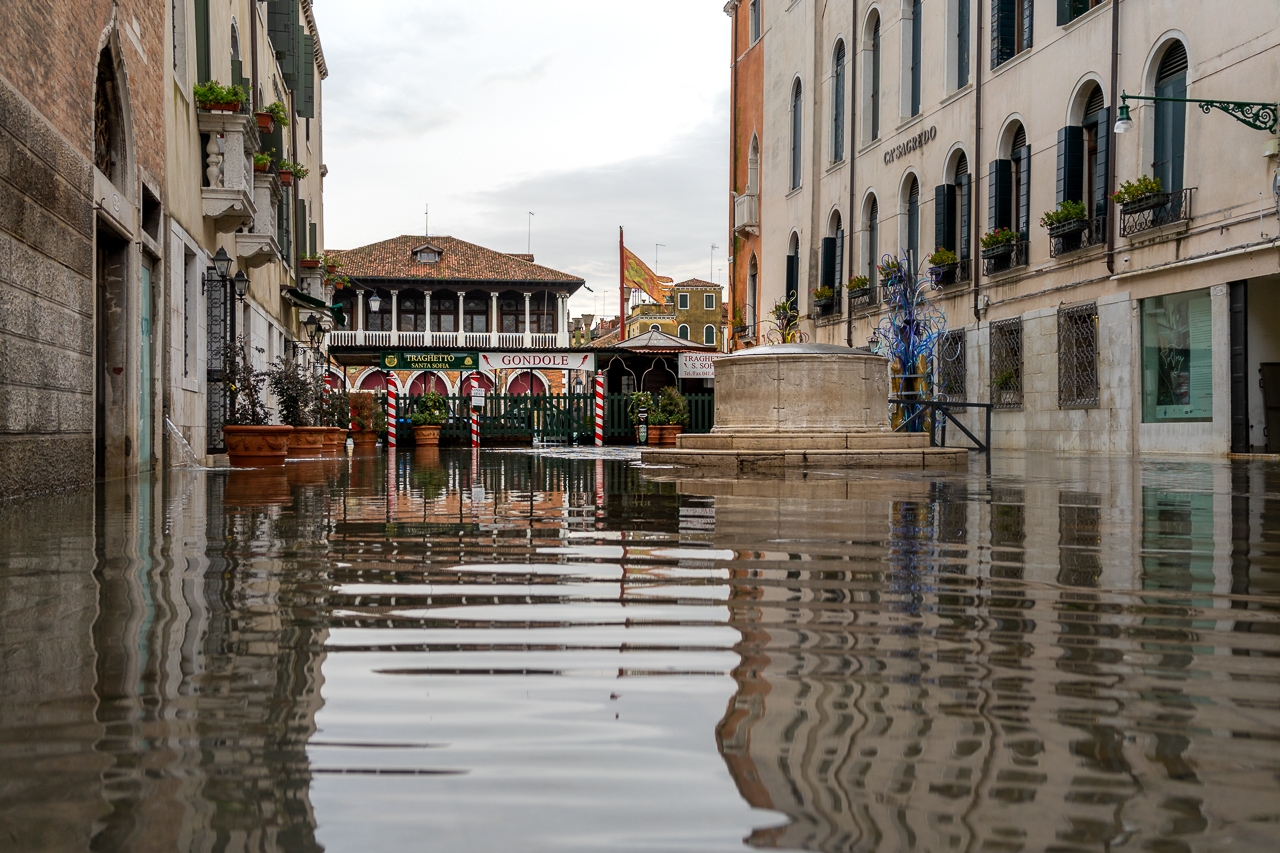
column 46, row 303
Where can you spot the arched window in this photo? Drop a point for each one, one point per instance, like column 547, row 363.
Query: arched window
column 683, row 332
column 837, row 104
column 753, row 296
column 797, row 132
column 1171, row 118
column 952, row 210
column 873, row 80
column 108, row 121
column 1010, row 187
column 1082, row 160
column 709, row 334
column 753, row 166
column 917, row 25
column 654, row 327
column 873, row 244
column 912, row 199
column 793, row 272
column 832, row 274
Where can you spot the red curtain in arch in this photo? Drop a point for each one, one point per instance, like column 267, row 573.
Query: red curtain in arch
column 374, row 380
column 430, row 381
column 473, row 379
column 334, row 381
column 527, row 383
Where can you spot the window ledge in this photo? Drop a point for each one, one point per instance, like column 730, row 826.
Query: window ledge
column 909, row 122
column 957, row 94
column 835, row 167
column 1086, row 17
column 1011, row 62
column 872, row 144
column 795, row 191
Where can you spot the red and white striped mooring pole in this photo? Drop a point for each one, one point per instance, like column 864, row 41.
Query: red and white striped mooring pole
column 599, row 410
column 391, row 410
column 475, row 425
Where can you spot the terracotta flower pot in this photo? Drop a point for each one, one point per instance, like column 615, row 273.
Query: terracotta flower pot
column 233, row 107
column 334, row 439
column 309, row 263
column 286, row 179
column 307, row 442
column 331, row 268
column 257, row 446
column 427, row 435
column 364, row 440
column 266, row 122
column 260, row 167
column 664, row 435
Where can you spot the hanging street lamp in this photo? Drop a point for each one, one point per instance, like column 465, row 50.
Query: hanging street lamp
column 1255, row 114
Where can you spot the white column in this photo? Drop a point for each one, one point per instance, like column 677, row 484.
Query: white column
column 562, row 322
column 395, row 318
column 362, row 321
column 528, row 333
column 426, row 295
column 493, row 319
column 462, row 297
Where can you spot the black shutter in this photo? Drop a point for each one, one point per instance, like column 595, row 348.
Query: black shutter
column 238, row 78
column 1071, row 164
column 1000, row 195
column 312, row 229
column 1004, row 31
column 828, row 278
column 203, row 71
column 301, row 230
column 1099, row 199
column 1024, row 192
column 793, row 282
column 962, row 45
column 1028, row 6
column 305, row 103
column 944, row 217
column 965, row 184
column 840, row 256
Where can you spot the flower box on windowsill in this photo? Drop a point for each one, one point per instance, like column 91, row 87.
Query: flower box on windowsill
column 232, row 107
column 309, row 263
column 261, row 167
column 1146, row 202
column 823, row 303
column 739, row 330
column 859, row 293
column 943, row 269
column 1065, row 229
column 999, row 250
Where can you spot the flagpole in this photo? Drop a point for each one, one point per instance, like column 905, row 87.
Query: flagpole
column 622, row 293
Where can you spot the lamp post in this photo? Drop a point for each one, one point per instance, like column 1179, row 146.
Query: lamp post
column 1255, row 114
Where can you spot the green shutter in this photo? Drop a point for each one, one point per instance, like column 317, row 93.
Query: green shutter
column 305, row 103
column 313, row 238
column 301, row 230
column 203, row 72
column 282, row 17
column 238, row 78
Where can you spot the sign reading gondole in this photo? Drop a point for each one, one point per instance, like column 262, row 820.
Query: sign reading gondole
column 697, row 365
column 538, row 361
column 430, row 360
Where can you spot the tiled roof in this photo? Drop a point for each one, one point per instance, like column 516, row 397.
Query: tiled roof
column 459, row 261
column 605, row 340
column 698, row 284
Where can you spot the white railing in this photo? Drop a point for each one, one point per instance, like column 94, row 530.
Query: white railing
column 510, row 340
column 543, row 341
column 343, row 339
column 413, row 339
column 449, row 340
column 476, row 340
column 444, row 339
column 377, row 339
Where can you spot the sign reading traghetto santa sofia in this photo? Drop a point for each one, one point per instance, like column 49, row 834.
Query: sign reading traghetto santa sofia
column 538, row 361
column 430, row 360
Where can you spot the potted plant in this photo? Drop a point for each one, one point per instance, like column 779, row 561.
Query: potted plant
column 1005, row 386
column 1000, row 242
column 368, row 418
column 339, row 281
column 888, row 269
column 859, row 287
column 429, row 414
column 336, row 407
column 251, row 440
column 825, row 297
column 641, row 400
column 1070, row 217
column 739, row 327
column 1137, row 196
column 289, row 170
column 295, row 402
column 214, row 97
column 310, row 262
column 272, row 115
column 261, row 162
column 943, row 260
column 672, row 415
column 330, row 265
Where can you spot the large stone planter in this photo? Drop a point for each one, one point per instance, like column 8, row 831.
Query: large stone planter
column 334, row 439
column 257, row 446
column 307, row 442
column 427, row 435
column 251, row 488
column 364, row 440
column 664, row 435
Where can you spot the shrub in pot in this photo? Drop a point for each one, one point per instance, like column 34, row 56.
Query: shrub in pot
column 337, row 417
column 1069, row 217
column 430, row 411
column 251, row 440
column 212, row 96
column 1001, row 241
column 641, row 400
column 295, row 394
column 368, row 418
column 672, row 416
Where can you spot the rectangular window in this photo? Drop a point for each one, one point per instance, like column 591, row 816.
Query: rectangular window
column 962, row 44
column 682, row 301
column 1011, row 27
column 1078, row 356
column 917, row 25
column 1069, row 10
column 1006, row 364
column 1177, row 358
column 709, row 301
column 754, row 12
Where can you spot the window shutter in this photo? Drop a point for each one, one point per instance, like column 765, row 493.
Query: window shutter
column 965, row 185
column 1028, row 6
column 1071, row 164
column 962, row 45
column 828, row 262
column 301, row 230
column 1099, row 199
column 238, row 78
column 1000, row 195
column 1004, row 32
column 281, row 20
column 944, row 217
column 313, row 238
column 1069, row 10
column 305, row 103
column 840, row 256
column 202, row 41
column 1024, row 193
column 917, row 25
column 793, row 281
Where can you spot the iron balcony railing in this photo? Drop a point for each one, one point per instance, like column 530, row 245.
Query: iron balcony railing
column 1001, row 259
column 1072, row 237
column 1155, row 210
column 960, row 273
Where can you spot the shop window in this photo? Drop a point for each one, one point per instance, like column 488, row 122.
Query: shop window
column 1177, row 358
column 1006, row 363
column 1078, row 356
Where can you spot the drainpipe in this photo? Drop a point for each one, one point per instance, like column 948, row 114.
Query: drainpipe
column 856, row 34
column 1111, row 143
column 974, row 240
column 253, row 56
column 733, row 142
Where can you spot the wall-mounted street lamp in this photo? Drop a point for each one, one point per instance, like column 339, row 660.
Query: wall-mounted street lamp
column 1255, row 114
column 312, row 325
column 242, row 284
column 222, row 262
column 374, row 301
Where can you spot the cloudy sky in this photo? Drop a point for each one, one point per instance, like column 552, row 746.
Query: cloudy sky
column 590, row 113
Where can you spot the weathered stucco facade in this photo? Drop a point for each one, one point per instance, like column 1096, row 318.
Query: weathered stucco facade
column 944, row 143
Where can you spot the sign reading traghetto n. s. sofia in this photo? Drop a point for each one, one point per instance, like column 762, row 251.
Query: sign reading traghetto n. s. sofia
column 538, row 361
column 697, row 365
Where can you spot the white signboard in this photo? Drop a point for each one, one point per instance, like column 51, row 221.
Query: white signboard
column 538, row 361
column 697, row 365
column 477, row 397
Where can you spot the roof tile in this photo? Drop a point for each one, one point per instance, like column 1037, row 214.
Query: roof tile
column 459, row 261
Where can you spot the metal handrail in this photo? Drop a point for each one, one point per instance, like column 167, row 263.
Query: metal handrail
column 945, row 407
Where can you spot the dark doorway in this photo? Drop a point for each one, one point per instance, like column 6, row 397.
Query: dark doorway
column 1239, row 366
column 111, row 353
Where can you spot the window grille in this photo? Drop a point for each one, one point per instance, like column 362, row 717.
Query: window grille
column 1006, row 364
column 951, row 367
column 1078, row 356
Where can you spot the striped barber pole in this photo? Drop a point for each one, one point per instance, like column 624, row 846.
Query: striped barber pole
column 599, row 410
column 475, row 428
column 391, row 410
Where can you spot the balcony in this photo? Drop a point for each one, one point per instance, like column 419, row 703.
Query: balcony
column 1006, row 257
column 959, row 273
column 746, row 213
column 1155, row 210
column 449, row 340
column 259, row 246
column 1074, row 236
column 227, row 193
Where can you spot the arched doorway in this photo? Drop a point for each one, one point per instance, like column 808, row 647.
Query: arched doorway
column 428, row 381
column 374, row 380
column 527, row 382
column 335, row 381
column 473, row 380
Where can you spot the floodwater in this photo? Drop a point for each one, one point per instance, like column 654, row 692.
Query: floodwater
column 564, row 651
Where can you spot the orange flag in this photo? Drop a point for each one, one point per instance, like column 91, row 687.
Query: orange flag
column 636, row 274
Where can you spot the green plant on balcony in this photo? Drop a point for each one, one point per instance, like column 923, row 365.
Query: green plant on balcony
column 1066, row 211
column 292, row 168
column 278, row 112
column 1131, row 191
column 261, row 162
column 890, row 268
column 1001, row 241
column 212, row 95
column 942, row 257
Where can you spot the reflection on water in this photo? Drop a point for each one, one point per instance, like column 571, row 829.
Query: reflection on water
column 555, row 651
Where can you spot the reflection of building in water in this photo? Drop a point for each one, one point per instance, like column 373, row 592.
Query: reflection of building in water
column 952, row 675
column 171, row 708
